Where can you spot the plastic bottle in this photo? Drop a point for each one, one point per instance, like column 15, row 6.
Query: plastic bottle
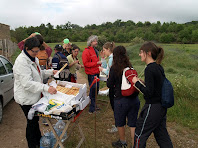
column 45, row 141
column 59, row 126
column 53, row 139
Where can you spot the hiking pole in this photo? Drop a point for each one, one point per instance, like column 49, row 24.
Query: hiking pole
column 96, row 79
column 56, row 75
column 95, row 108
column 141, row 73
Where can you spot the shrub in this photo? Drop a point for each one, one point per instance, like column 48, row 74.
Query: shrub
column 137, row 40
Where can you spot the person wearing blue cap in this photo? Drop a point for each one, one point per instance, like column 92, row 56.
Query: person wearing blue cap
column 58, row 61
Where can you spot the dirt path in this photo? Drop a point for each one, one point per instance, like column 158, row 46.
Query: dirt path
column 13, row 127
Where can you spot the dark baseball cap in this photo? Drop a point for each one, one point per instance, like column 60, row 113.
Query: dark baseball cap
column 58, row 47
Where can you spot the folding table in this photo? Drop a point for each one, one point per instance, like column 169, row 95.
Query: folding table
column 68, row 118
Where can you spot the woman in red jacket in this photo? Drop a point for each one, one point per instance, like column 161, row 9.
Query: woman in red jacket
column 91, row 62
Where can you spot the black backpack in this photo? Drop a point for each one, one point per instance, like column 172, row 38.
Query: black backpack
column 65, row 73
column 167, row 94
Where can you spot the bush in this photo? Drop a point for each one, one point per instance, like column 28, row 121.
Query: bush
column 137, row 40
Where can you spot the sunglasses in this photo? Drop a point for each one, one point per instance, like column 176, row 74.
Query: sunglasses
column 35, row 51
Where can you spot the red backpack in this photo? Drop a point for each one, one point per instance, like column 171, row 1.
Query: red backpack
column 127, row 86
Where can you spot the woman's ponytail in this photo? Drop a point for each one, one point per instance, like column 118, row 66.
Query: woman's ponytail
column 160, row 55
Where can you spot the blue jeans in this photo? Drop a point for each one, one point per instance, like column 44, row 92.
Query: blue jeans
column 92, row 92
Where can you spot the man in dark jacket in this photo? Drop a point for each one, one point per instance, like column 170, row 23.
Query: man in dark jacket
column 58, row 61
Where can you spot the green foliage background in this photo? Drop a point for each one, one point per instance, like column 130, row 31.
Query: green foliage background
column 118, row 31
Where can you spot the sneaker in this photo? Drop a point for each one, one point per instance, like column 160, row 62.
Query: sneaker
column 118, row 144
column 113, row 129
column 90, row 112
column 97, row 108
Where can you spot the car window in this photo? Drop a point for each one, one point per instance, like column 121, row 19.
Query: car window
column 7, row 64
column 2, row 69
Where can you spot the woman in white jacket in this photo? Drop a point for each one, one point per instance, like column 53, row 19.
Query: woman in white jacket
column 28, row 86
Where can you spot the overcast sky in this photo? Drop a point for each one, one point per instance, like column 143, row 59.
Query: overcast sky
column 82, row 12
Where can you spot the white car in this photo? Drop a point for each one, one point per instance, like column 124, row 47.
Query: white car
column 6, row 83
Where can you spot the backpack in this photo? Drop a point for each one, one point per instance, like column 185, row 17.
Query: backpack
column 167, row 94
column 43, row 58
column 65, row 72
column 127, row 86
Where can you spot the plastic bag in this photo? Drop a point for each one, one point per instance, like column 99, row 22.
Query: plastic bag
column 103, row 92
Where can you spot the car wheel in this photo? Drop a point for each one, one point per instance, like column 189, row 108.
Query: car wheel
column 1, row 111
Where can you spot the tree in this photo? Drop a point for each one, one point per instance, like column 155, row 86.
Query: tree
column 166, row 38
column 186, row 33
column 147, row 23
column 49, row 26
column 67, row 25
column 19, row 34
column 164, row 27
column 130, row 23
column 155, row 28
column 149, row 36
column 108, row 25
column 179, row 27
column 117, row 23
column 118, row 31
column 31, row 30
column 75, row 26
column 195, row 36
column 140, row 24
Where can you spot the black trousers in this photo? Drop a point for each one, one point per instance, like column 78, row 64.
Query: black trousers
column 152, row 119
column 33, row 133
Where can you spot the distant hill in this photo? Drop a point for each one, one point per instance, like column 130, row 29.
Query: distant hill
column 193, row 22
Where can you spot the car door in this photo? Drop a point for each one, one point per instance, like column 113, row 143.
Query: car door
column 6, row 80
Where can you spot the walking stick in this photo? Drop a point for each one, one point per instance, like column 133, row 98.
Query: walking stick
column 95, row 110
column 96, row 79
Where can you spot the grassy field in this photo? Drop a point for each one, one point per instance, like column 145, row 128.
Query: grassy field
column 181, row 68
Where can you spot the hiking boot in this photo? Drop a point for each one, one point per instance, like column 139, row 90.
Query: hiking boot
column 113, row 129
column 118, row 144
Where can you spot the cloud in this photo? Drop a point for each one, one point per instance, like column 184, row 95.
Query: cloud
column 33, row 13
